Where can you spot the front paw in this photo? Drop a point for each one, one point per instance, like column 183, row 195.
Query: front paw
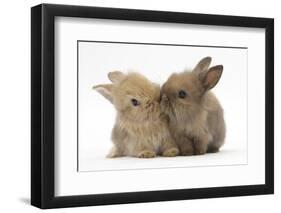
column 186, row 152
column 146, row 154
column 186, row 149
column 200, row 151
column 172, row 152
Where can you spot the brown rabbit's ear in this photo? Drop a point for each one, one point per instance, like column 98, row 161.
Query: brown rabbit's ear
column 212, row 76
column 116, row 76
column 203, row 65
column 105, row 90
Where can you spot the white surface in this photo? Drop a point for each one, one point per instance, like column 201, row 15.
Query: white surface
column 156, row 62
column 97, row 162
column 15, row 108
column 69, row 30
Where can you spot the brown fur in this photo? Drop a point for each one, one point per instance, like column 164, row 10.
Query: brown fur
column 140, row 131
column 196, row 122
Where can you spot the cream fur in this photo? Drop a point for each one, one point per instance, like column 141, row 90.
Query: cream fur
column 139, row 131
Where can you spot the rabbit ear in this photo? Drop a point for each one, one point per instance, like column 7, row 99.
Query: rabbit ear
column 212, row 76
column 116, row 76
column 202, row 65
column 105, row 90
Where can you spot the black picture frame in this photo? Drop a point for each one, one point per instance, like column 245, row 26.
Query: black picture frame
column 43, row 102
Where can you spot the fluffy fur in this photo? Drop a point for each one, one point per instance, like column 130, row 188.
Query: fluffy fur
column 140, row 130
column 196, row 119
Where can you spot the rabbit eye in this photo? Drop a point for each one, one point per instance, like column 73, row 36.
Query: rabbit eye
column 182, row 94
column 135, row 102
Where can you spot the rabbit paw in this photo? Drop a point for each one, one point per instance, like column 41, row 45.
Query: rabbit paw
column 186, row 150
column 172, row 152
column 200, row 148
column 200, row 151
column 146, row 154
column 213, row 150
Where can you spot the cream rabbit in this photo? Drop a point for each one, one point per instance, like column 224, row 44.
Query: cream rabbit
column 141, row 129
column 196, row 119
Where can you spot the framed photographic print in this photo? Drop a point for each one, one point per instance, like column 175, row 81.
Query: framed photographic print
column 139, row 106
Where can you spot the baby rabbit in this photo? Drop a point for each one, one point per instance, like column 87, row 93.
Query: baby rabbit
column 141, row 129
column 196, row 119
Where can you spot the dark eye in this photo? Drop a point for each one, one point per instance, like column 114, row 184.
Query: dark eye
column 182, row 94
column 135, row 102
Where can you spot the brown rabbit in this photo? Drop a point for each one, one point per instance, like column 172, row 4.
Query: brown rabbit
column 196, row 118
column 141, row 129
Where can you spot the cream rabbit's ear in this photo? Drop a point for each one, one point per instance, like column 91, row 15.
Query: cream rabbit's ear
column 105, row 90
column 116, row 76
column 212, row 77
column 203, row 65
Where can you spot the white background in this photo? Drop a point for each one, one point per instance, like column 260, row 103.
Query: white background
column 15, row 106
column 192, row 175
column 97, row 114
